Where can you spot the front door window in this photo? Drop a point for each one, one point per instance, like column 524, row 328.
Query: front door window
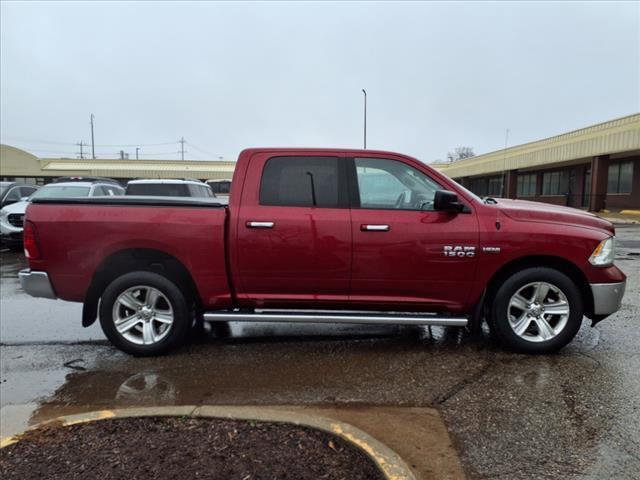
column 389, row 184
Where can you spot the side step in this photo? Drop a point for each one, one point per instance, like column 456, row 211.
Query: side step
column 324, row 316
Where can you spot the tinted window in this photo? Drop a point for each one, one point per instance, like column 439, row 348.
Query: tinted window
column 26, row 191
column 295, row 181
column 200, row 190
column 99, row 191
column 114, row 191
column 159, row 189
column 220, row 187
column 385, row 184
column 620, row 177
column 527, row 185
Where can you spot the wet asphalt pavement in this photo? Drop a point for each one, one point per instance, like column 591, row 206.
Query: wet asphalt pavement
column 575, row 414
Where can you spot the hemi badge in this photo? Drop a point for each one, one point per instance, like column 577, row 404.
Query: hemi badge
column 491, row 249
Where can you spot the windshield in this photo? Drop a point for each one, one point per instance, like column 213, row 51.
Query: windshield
column 61, row 191
column 4, row 186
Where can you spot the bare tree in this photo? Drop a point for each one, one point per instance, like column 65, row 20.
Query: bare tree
column 460, row 153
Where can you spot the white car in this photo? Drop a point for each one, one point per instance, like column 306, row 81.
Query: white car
column 169, row 188
column 12, row 216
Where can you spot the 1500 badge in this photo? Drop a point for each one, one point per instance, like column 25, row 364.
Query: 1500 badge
column 459, row 251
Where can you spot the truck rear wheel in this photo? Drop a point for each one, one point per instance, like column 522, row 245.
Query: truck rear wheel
column 144, row 314
column 537, row 310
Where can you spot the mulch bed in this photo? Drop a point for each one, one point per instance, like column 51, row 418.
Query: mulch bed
column 183, row 448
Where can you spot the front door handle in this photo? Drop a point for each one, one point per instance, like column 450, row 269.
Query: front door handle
column 260, row 224
column 375, row 228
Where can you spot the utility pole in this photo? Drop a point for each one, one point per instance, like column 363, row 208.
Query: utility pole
column 137, row 149
column 182, row 140
column 365, row 118
column 81, row 152
column 93, row 145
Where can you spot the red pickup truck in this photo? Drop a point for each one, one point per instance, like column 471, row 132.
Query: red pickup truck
column 325, row 235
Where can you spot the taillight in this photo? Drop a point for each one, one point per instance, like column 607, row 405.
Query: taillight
column 31, row 249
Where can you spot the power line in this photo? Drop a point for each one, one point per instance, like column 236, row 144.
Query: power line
column 52, row 142
column 205, row 151
column 136, row 144
column 27, row 140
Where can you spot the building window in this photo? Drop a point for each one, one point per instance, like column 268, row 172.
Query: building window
column 527, row 185
column 555, row 183
column 620, row 177
column 487, row 186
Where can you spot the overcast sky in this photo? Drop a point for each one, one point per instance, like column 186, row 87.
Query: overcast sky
column 232, row 75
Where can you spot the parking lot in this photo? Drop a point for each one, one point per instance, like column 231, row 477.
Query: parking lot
column 570, row 415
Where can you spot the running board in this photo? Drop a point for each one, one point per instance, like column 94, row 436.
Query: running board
column 325, row 317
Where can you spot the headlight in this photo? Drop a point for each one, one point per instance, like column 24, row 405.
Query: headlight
column 604, row 253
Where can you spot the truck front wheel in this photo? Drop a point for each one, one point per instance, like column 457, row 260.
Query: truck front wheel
column 144, row 314
column 537, row 310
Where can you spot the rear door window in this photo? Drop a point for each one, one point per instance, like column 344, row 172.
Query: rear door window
column 301, row 182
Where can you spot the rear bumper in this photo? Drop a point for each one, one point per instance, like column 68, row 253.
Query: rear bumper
column 607, row 297
column 36, row 284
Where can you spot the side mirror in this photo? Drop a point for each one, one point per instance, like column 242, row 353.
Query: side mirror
column 446, row 201
column 24, row 199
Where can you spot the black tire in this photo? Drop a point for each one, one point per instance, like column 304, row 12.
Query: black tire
column 15, row 247
column 174, row 297
column 499, row 319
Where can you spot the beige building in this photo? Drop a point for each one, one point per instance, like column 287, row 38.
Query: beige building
column 594, row 168
column 16, row 164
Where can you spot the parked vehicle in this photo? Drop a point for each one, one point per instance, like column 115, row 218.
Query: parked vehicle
column 12, row 216
column 323, row 235
column 13, row 192
column 169, row 188
column 220, row 187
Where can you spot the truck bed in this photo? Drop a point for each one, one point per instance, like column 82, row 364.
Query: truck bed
column 80, row 235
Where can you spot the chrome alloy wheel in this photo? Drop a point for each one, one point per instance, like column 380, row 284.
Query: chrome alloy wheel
column 538, row 312
column 142, row 315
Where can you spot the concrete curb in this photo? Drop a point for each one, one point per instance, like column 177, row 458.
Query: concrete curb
column 389, row 463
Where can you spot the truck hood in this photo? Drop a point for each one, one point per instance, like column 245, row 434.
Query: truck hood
column 526, row 211
column 18, row 207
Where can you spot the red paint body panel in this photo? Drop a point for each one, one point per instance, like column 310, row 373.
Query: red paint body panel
column 319, row 257
column 76, row 239
column 305, row 259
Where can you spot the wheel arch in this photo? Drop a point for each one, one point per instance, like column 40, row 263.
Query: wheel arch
column 130, row 260
column 557, row 263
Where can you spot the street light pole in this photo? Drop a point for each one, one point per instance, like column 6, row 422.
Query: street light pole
column 93, row 147
column 137, row 149
column 365, row 118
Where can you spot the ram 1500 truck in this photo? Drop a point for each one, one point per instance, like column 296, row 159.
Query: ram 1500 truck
column 325, row 235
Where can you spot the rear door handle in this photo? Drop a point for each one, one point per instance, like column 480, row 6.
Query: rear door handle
column 260, row 224
column 375, row 228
